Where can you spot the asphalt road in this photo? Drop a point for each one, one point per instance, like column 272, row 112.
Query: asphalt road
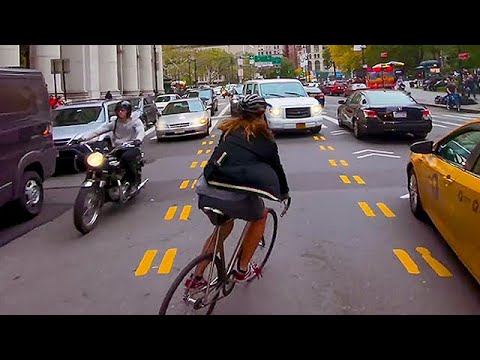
column 340, row 249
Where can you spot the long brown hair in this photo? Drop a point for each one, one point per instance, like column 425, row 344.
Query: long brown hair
column 251, row 124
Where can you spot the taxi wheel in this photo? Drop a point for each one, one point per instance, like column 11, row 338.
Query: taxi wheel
column 414, row 196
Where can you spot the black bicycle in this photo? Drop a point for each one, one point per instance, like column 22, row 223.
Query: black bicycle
column 220, row 281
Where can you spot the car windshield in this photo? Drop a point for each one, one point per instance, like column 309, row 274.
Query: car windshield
column 389, row 98
column 165, row 98
column 282, row 89
column 204, row 94
column 181, row 107
column 238, row 89
column 76, row 116
column 135, row 103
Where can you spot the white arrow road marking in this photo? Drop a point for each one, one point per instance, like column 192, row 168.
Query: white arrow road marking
column 406, row 196
column 378, row 151
column 149, row 131
column 373, row 154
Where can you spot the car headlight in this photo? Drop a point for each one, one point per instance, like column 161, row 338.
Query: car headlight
column 235, row 101
column 95, row 159
column 161, row 125
column 276, row 112
column 316, row 109
column 201, row 121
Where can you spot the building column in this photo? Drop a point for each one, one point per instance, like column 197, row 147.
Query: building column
column 161, row 89
column 107, row 55
column 146, row 69
column 82, row 81
column 40, row 59
column 9, row 55
column 129, row 70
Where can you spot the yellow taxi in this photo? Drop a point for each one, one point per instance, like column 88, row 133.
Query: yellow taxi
column 444, row 183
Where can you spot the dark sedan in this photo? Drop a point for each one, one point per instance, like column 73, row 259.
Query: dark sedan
column 384, row 111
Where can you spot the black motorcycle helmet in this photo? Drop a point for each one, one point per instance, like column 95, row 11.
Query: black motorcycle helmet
column 124, row 104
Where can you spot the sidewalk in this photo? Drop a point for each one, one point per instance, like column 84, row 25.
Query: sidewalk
column 427, row 98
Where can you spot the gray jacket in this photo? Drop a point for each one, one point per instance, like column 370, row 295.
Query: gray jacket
column 130, row 130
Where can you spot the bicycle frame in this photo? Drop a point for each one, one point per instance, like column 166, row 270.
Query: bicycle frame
column 219, row 249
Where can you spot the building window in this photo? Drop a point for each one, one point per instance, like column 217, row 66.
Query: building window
column 317, row 48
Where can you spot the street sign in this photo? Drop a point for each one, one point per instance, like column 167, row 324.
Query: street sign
column 384, row 55
column 60, row 65
column 267, row 60
column 358, row 47
column 240, row 72
column 463, row 56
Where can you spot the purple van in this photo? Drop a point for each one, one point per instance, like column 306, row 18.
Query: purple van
column 27, row 153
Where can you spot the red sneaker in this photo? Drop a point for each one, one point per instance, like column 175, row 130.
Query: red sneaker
column 252, row 272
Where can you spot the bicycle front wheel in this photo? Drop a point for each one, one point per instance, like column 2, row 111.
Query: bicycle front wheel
column 184, row 300
column 264, row 248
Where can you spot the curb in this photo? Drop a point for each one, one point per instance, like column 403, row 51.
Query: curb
column 463, row 110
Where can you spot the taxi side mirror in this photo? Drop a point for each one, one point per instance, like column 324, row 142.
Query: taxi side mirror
column 422, row 147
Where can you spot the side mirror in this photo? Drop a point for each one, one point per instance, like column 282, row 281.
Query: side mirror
column 422, row 147
column 113, row 117
column 341, row 101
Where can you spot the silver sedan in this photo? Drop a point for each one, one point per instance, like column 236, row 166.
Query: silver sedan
column 184, row 117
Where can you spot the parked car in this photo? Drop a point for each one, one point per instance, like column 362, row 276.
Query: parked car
column 291, row 108
column 383, row 111
column 26, row 144
column 336, row 87
column 443, row 180
column 72, row 120
column 184, row 117
column 162, row 100
column 316, row 93
column 208, row 97
column 351, row 88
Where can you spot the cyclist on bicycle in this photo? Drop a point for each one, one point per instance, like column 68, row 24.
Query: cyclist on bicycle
column 246, row 156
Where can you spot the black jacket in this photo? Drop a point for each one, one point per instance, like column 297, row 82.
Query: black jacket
column 253, row 163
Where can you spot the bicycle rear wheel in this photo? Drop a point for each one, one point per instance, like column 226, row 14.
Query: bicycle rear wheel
column 264, row 248
column 180, row 300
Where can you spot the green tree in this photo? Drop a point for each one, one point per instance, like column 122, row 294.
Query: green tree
column 286, row 70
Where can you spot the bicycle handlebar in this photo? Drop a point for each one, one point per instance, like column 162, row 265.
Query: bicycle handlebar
column 286, row 204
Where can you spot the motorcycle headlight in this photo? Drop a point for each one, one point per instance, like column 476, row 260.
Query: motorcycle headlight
column 95, row 159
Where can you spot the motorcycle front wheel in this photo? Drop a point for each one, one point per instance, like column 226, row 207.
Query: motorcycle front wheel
column 86, row 210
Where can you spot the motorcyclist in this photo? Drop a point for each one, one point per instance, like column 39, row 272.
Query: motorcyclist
column 125, row 129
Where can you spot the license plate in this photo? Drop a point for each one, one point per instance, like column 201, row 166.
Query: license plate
column 301, row 126
column 399, row 114
column 179, row 131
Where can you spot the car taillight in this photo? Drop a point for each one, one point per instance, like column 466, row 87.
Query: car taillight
column 48, row 129
column 426, row 113
column 369, row 113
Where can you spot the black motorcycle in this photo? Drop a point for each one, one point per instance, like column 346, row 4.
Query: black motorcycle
column 103, row 183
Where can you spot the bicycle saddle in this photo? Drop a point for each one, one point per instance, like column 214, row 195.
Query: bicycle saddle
column 216, row 217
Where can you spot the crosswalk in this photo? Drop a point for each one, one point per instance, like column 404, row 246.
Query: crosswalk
column 452, row 120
